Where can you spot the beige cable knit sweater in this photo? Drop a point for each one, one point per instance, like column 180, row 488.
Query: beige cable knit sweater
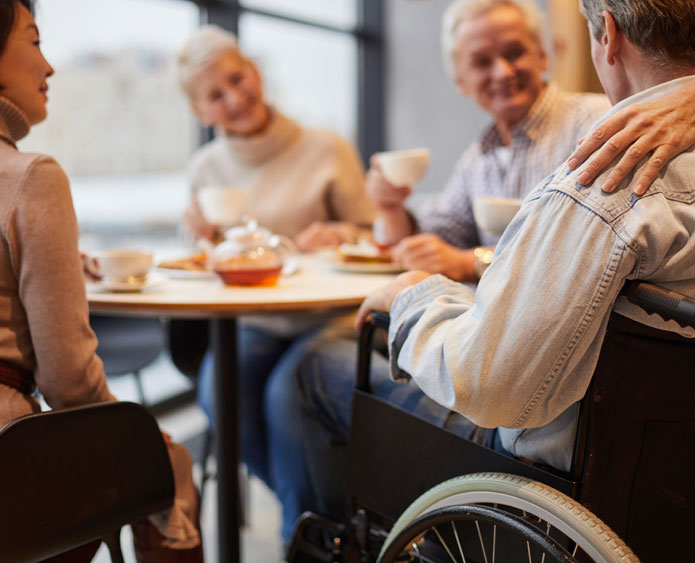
column 292, row 176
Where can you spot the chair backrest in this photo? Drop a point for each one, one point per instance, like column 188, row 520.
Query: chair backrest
column 640, row 436
column 72, row 476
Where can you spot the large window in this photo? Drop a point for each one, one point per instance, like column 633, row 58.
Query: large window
column 117, row 121
column 120, row 126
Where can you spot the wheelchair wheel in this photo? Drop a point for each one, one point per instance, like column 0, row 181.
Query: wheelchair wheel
column 478, row 517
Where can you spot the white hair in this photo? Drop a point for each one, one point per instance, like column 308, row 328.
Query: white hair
column 464, row 10
column 204, row 47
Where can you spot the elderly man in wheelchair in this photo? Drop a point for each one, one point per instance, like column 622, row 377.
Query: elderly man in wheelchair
column 551, row 321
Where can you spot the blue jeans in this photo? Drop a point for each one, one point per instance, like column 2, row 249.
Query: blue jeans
column 326, row 377
column 269, row 415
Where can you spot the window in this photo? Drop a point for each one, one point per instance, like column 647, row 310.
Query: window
column 341, row 13
column 122, row 129
column 309, row 72
column 117, row 121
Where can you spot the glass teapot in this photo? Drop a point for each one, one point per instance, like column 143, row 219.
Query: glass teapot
column 251, row 255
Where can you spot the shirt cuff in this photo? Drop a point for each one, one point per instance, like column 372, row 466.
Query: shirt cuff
column 407, row 309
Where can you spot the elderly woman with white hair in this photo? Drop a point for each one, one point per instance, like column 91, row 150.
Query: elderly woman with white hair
column 305, row 184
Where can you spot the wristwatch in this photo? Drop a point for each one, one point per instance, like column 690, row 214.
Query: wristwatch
column 483, row 256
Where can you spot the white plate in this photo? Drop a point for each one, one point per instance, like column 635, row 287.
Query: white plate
column 366, row 267
column 153, row 281
column 177, row 274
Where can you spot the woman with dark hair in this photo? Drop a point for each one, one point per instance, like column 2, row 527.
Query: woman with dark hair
column 45, row 338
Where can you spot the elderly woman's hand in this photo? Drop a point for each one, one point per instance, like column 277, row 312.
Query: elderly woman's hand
column 382, row 298
column 320, row 234
column 384, row 195
column 664, row 127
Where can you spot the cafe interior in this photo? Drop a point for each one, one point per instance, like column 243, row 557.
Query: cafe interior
column 175, row 315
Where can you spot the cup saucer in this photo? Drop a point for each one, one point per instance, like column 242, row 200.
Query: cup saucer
column 152, row 281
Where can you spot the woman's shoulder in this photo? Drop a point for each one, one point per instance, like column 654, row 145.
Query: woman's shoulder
column 22, row 169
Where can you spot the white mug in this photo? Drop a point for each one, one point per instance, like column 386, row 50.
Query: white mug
column 221, row 205
column 404, row 168
column 120, row 265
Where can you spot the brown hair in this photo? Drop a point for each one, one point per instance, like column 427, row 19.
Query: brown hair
column 663, row 30
column 8, row 15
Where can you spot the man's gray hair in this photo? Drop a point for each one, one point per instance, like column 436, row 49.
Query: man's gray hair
column 204, row 47
column 464, row 10
column 663, row 30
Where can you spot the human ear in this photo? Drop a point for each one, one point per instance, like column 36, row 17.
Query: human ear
column 610, row 37
column 461, row 86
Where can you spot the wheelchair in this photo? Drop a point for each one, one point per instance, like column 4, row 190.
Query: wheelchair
column 437, row 497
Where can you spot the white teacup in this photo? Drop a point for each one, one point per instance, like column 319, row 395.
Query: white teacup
column 120, row 265
column 493, row 214
column 221, row 205
column 404, row 168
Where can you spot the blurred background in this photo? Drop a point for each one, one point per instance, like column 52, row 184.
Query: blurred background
column 368, row 69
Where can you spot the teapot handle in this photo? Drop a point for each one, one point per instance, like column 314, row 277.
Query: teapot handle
column 284, row 244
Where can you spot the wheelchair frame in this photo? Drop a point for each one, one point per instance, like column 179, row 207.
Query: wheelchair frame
column 375, row 501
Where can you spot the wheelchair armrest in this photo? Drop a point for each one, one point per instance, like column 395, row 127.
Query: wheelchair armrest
column 668, row 304
column 379, row 320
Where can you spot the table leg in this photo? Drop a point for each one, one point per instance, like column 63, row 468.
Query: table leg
column 224, row 346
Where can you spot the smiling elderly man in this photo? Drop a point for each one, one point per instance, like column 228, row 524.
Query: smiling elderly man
column 493, row 51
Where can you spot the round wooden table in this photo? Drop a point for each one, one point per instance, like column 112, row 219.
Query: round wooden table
column 314, row 287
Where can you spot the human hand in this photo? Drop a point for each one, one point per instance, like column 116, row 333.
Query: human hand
column 428, row 252
column 382, row 298
column 384, row 195
column 666, row 127
column 89, row 266
column 319, row 234
column 196, row 223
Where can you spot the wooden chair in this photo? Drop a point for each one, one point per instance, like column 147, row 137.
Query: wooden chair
column 74, row 476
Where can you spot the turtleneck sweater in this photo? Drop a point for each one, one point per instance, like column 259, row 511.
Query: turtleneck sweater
column 44, row 317
column 292, row 176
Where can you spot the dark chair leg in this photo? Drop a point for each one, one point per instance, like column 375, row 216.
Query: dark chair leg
column 113, row 542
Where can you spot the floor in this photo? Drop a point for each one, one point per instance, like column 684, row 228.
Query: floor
column 260, row 538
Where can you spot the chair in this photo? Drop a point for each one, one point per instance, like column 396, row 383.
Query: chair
column 631, row 464
column 77, row 475
column 128, row 344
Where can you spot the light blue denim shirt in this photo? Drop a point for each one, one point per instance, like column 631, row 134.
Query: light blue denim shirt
column 520, row 351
